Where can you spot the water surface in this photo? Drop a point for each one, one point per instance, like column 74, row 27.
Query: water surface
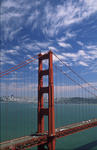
column 20, row 119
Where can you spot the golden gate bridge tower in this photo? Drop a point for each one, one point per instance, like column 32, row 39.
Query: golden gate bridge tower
column 50, row 110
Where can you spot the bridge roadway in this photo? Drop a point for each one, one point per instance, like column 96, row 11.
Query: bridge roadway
column 38, row 139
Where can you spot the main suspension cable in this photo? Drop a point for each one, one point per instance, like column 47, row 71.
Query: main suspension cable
column 18, row 64
column 75, row 73
column 76, row 82
column 17, row 68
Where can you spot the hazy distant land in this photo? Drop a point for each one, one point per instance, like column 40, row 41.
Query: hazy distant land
column 62, row 100
column 76, row 100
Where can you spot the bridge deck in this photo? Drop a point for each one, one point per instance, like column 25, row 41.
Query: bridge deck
column 38, row 139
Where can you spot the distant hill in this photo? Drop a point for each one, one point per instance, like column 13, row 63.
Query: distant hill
column 76, row 100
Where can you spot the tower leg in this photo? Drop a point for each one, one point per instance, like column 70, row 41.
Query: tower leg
column 51, row 143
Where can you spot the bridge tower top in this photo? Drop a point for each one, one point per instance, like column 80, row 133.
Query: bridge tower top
column 50, row 91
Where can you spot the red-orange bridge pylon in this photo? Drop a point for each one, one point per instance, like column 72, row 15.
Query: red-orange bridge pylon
column 50, row 110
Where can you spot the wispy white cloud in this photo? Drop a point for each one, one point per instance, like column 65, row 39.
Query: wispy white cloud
column 61, row 39
column 83, row 63
column 66, row 36
column 82, row 57
column 43, row 44
column 37, row 46
column 80, row 43
column 13, row 33
column 11, row 51
column 65, row 45
column 93, row 53
column 75, row 56
column 5, row 58
column 51, row 20
column 32, row 19
column 52, row 48
column 70, row 35
column 55, row 59
column 91, row 47
column 66, row 14
column 93, row 67
column 14, row 14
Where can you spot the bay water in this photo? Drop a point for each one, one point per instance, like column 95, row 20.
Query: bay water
column 20, row 119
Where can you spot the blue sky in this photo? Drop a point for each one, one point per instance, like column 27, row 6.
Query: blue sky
column 67, row 27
